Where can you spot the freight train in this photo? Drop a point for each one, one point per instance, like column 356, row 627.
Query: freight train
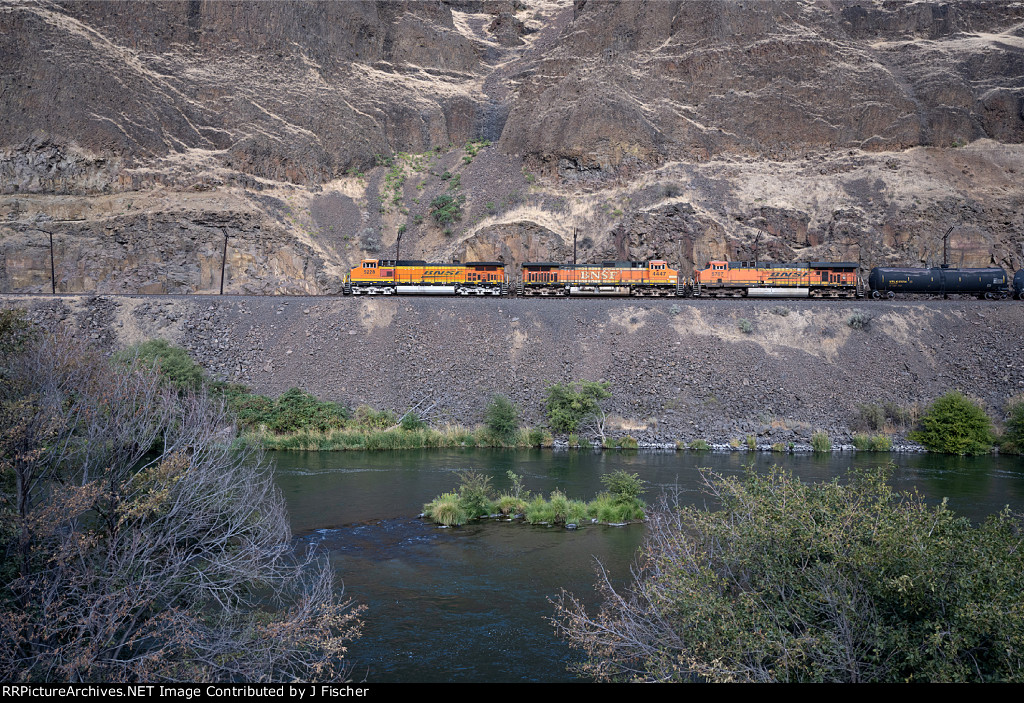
column 812, row 279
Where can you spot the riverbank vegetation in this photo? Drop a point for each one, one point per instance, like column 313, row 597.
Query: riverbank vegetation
column 298, row 420
column 475, row 498
column 955, row 424
column 136, row 543
column 786, row 581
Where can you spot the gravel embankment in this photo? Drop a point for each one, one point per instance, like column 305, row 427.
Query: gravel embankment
column 678, row 369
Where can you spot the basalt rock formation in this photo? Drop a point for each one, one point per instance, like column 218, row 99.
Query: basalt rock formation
column 159, row 142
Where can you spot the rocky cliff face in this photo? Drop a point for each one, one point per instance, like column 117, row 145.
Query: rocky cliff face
column 142, row 135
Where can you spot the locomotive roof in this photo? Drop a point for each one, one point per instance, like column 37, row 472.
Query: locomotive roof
column 791, row 264
column 603, row 264
column 834, row 265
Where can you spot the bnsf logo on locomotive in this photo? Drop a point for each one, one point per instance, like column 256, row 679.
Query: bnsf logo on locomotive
column 597, row 276
column 439, row 272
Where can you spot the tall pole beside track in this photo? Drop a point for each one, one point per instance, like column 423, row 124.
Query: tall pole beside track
column 53, row 278
column 223, row 261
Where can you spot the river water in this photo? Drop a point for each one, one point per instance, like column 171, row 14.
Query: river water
column 472, row 603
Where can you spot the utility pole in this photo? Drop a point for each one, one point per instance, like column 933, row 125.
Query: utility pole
column 53, row 278
column 945, row 248
column 223, row 261
column 53, row 268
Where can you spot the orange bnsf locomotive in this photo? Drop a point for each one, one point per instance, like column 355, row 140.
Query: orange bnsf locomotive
column 389, row 276
column 813, row 279
column 654, row 278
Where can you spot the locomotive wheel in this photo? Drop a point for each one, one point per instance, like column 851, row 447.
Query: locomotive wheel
column 875, row 294
column 890, row 295
column 989, row 296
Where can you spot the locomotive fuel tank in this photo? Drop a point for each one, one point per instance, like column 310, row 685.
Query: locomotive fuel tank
column 982, row 282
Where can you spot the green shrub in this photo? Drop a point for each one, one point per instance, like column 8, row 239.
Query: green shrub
column 780, row 311
column 628, row 442
column 518, row 490
column 570, row 404
column 578, row 512
column 797, row 582
column 175, row 367
column 297, row 410
column 880, row 443
column 574, row 440
column 699, row 445
column 15, row 333
column 780, row 448
column 502, row 419
column 411, row 422
column 859, row 320
column 535, row 437
column 874, row 417
column 539, row 511
column 899, row 416
column 510, row 505
column 559, row 505
column 623, row 486
column 610, row 443
column 251, row 411
column 608, row 508
column 1013, row 436
column 745, row 326
column 820, row 443
column 751, row 442
column 475, row 494
column 954, row 424
column 875, row 443
column 371, row 419
column 869, row 417
column 862, row 442
column 447, row 209
column 446, row 510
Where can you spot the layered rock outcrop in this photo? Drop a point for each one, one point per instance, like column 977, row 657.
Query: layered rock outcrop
column 140, row 134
